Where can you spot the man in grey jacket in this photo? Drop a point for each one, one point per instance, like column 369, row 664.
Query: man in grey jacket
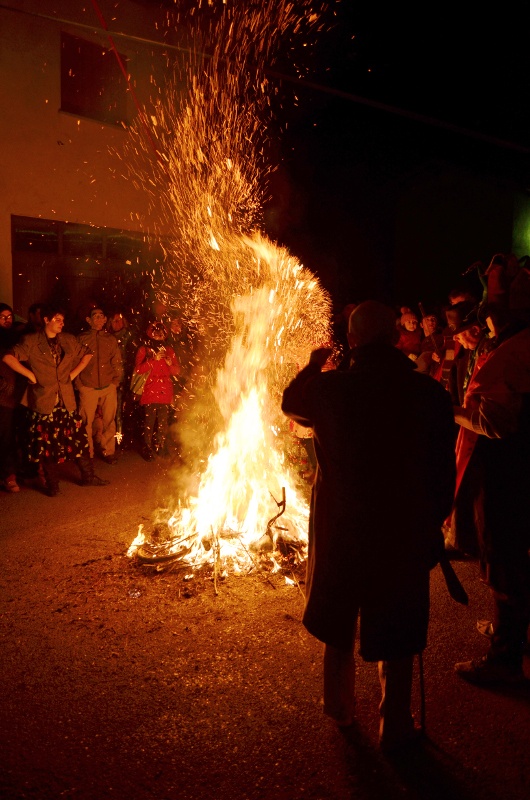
column 98, row 382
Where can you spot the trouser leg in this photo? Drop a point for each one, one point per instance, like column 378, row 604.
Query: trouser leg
column 162, row 424
column 7, row 443
column 149, row 423
column 108, row 403
column 339, row 683
column 120, row 397
column 511, row 616
column 396, row 724
column 508, row 578
column 88, row 402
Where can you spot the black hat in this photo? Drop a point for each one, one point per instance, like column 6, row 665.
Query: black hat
column 462, row 316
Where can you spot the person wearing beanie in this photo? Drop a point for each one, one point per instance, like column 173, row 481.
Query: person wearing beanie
column 409, row 341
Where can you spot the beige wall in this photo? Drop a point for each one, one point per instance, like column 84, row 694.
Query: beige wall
column 52, row 164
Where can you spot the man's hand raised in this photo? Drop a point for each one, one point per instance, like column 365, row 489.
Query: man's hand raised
column 320, row 356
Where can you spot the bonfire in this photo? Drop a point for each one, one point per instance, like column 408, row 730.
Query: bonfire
column 255, row 311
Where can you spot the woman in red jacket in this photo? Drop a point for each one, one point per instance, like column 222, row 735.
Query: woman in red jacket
column 160, row 362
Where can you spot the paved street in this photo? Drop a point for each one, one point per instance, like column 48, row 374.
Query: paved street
column 120, row 683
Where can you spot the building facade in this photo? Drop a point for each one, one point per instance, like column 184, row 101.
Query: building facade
column 70, row 220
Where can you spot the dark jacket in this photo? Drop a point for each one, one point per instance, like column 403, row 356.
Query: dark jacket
column 52, row 381
column 106, row 366
column 372, row 527
column 491, row 510
column 425, row 362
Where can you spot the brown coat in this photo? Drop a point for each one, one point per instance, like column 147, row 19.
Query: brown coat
column 51, row 380
column 386, row 470
column 106, row 366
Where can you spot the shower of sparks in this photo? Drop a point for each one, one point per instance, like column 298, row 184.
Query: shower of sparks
column 254, row 311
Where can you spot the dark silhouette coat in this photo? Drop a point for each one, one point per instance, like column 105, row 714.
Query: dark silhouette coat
column 384, row 440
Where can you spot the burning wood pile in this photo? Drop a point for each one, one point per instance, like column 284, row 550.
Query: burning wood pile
column 276, row 552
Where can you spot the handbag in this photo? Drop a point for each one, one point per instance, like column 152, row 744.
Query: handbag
column 138, row 381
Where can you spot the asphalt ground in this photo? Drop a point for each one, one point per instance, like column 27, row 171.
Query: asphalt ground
column 120, row 682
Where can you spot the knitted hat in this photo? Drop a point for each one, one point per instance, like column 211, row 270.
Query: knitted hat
column 407, row 316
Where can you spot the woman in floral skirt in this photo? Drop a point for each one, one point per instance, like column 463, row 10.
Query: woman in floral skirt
column 55, row 431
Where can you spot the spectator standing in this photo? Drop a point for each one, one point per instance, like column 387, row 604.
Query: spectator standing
column 55, row 430
column 370, row 546
column 493, row 498
column 473, row 344
column 432, row 344
column 98, row 383
column 7, row 329
column 409, row 341
column 118, row 326
column 160, row 363
column 35, row 322
column 445, row 359
column 12, row 386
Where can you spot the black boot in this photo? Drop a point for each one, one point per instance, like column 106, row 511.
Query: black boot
column 52, row 487
column 88, row 478
column 147, row 454
column 50, row 480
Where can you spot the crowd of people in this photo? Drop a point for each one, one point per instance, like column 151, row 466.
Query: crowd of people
column 66, row 397
column 449, row 398
column 446, row 392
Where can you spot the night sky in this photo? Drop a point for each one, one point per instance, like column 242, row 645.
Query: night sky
column 380, row 204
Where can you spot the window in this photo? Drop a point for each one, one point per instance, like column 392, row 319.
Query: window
column 72, row 263
column 92, row 83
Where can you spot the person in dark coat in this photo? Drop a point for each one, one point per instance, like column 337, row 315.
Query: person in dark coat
column 432, row 344
column 492, row 504
column 372, row 541
column 471, row 348
column 12, row 388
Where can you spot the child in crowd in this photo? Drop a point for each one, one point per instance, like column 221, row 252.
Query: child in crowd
column 409, row 334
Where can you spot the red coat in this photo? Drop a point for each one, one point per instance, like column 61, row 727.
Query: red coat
column 159, row 386
column 409, row 341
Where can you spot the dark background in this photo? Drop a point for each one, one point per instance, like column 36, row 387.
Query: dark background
column 379, row 203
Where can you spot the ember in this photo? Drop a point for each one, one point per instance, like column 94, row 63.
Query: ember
column 255, row 311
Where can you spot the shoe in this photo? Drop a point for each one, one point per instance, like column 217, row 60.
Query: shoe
column 52, row 488
column 397, row 746
column 111, row 459
column 88, row 477
column 93, row 480
column 147, row 454
column 10, row 484
column 486, row 671
column 485, row 627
